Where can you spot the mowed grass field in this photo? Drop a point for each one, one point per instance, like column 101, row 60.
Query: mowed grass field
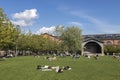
column 24, row 68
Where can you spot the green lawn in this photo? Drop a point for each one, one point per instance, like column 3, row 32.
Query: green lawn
column 24, row 68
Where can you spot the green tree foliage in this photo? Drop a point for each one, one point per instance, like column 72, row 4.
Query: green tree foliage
column 8, row 32
column 72, row 38
column 111, row 49
column 50, row 45
column 11, row 38
column 59, row 30
column 35, row 43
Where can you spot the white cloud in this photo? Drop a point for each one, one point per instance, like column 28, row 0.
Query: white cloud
column 27, row 14
column 25, row 18
column 22, row 23
column 49, row 30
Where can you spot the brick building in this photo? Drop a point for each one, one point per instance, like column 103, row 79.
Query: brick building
column 108, row 39
column 94, row 44
column 51, row 37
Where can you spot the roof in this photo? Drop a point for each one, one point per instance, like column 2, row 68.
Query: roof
column 91, row 38
column 104, row 36
column 54, row 38
column 96, row 37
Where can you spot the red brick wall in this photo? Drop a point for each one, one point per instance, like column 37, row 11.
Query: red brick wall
column 113, row 42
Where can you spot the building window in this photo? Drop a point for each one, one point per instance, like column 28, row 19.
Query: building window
column 117, row 36
column 109, row 36
column 109, row 42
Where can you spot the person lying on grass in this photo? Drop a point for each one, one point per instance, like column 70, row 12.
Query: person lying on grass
column 52, row 58
column 51, row 68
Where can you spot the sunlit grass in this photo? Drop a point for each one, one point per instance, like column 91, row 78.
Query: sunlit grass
column 24, row 68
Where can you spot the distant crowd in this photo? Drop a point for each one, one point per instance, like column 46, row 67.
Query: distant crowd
column 51, row 55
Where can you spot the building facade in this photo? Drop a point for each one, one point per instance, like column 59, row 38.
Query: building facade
column 101, row 40
column 94, row 44
column 51, row 37
column 108, row 39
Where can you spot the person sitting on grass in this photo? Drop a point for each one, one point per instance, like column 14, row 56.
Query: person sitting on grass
column 52, row 58
column 116, row 56
column 96, row 57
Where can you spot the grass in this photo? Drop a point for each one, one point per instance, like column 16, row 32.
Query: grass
column 24, row 68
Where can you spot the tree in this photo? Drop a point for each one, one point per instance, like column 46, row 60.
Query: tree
column 71, row 39
column 59, row 30
column 8, row 32
column 110, row 49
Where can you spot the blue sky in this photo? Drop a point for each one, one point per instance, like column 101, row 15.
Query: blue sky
column 39, row 16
